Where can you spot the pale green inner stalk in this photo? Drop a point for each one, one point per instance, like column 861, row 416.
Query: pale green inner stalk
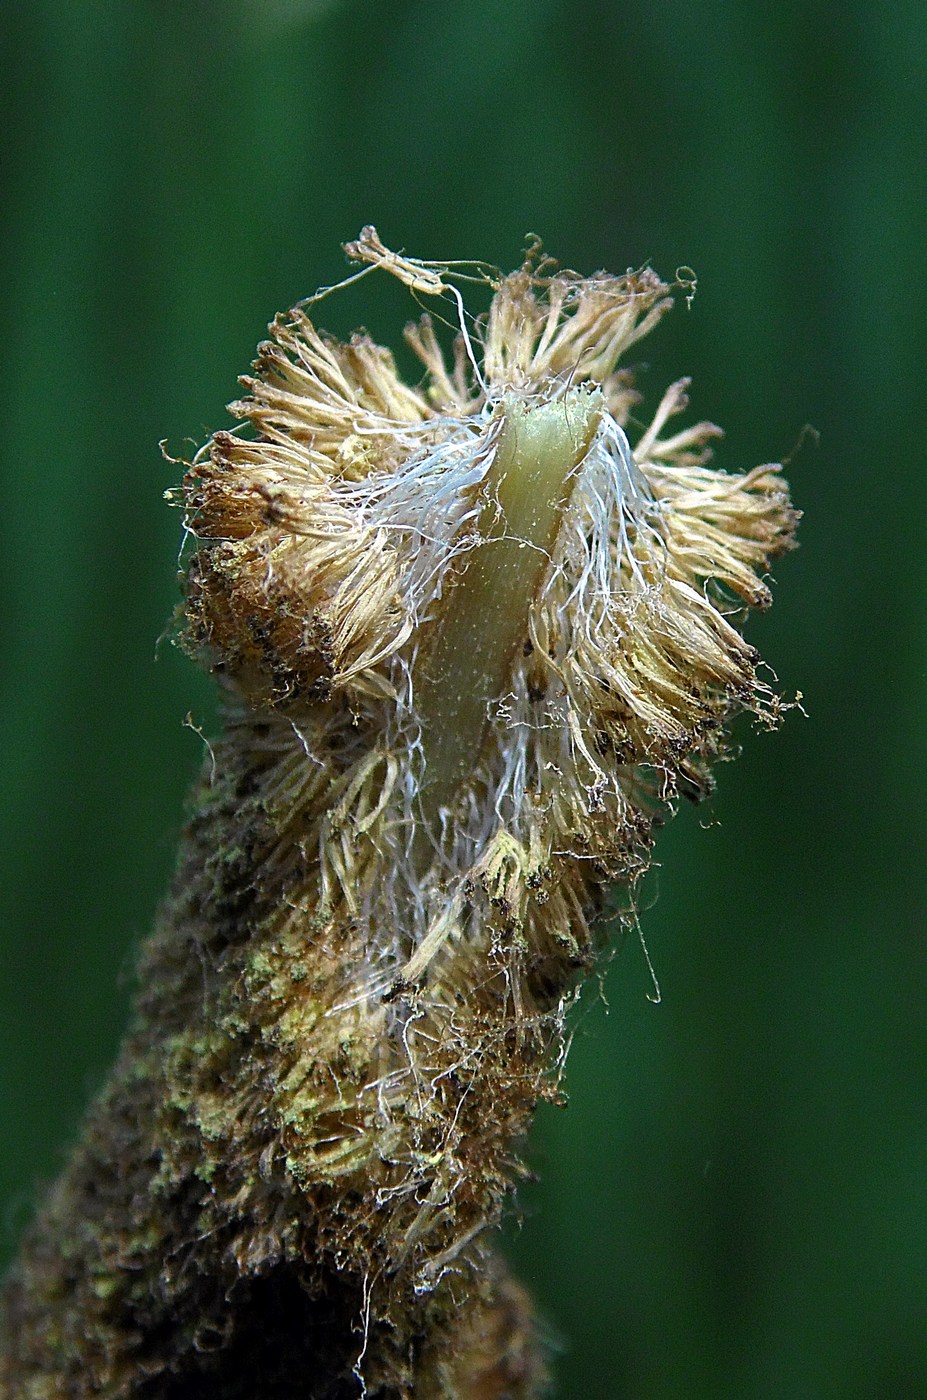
column 465, row 665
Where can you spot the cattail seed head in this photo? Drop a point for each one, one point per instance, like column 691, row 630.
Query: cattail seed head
column 474, row 637
column 489, row 641
column 358, row 563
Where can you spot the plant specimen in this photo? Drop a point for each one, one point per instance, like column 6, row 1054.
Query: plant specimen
column 472, row 643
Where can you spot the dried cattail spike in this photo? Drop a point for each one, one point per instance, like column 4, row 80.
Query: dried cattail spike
column 473, row 641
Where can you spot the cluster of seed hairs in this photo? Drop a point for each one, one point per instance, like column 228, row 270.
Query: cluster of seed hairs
column 472, row 644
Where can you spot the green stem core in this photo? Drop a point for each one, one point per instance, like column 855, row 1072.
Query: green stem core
column 465, row 665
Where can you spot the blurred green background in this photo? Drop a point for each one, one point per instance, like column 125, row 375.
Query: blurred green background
column 735, row 1202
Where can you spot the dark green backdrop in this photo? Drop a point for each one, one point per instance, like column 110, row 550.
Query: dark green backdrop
column 735, row 1203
